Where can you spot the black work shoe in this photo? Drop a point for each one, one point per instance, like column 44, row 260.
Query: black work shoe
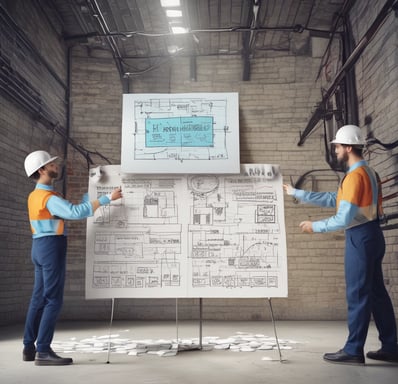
column 383, row 356
column 28, row 354
column 341, row 357
column 51, row 358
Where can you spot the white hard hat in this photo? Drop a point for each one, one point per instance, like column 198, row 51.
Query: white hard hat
column 350, row 135
column 35, row 160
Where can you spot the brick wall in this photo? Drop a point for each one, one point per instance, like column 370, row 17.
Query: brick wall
column 275, row 105
column 377, row 81
column 21, row 133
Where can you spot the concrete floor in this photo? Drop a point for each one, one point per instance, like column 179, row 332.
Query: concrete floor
column 301, row 364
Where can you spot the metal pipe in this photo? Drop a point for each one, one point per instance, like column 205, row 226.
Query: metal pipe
column 348, row 65
column 351, row 97
column 68, row 115
column 110, row 39
column 5, row 19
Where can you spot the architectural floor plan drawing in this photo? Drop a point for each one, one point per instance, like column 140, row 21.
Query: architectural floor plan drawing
column 188, row 236
column 135, row 245
column 234, row 236
column 188, row 133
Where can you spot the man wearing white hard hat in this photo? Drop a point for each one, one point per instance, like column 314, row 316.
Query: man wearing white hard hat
column 48, row 211
column 358, row 202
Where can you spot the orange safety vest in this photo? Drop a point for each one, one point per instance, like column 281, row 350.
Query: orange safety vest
column 361, row 188
column 42, row 223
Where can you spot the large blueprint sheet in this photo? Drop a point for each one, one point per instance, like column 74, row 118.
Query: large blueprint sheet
column 188, row 235
column 180, row 133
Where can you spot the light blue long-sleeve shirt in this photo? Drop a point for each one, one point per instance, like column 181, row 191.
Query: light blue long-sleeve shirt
column 357, row 203
column 66, row 210
column 62, row 209
column 341, row 220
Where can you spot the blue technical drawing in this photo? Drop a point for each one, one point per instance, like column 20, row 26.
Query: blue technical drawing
column 192, row 131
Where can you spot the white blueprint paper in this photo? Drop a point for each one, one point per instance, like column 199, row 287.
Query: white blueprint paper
column 188, row 235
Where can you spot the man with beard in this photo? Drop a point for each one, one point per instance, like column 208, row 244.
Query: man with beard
column 358, row 203
column 47, row 214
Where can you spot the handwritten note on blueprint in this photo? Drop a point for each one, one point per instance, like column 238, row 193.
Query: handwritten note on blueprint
column 180, row 133
column 188, row 235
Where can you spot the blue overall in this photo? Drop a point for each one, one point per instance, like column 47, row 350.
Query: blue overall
column 365, row 289
column 49, row 259
column 358, row 201
column 47, row 212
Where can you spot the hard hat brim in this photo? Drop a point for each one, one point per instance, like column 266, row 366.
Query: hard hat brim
column 345, row 143
column 50, row 161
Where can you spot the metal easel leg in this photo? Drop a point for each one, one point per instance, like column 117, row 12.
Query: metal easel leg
column 177, row 323
column 182, row 348
column 274, row 325
column 110, row 329
column 200, row 323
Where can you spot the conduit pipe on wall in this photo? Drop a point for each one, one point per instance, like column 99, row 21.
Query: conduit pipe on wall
column 26, row 97
column 9, row 24
column 110, row 39
column 16, row 87
column 350, row 90
column 68, row 115
column 348, row 65
column 23, row 94
column 20, row 91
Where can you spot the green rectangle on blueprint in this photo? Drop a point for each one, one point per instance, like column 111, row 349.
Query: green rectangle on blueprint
column 193, row 131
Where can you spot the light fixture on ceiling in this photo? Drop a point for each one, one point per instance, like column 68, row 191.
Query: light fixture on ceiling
column 173, row 13
column 175, row 16
column 170, row 3
column 178, row 29
column 174, row 49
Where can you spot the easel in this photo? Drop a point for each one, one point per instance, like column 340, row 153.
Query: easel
column 110, row 329
column 193, row 348
column 200, row 346
column 274, row 325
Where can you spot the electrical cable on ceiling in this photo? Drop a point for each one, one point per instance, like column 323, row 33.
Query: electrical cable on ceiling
column 348, row 64
column 136, row 72
column 97, row 13
column 298, row 28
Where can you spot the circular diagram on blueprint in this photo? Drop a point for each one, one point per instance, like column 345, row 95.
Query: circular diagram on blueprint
column 203, row 184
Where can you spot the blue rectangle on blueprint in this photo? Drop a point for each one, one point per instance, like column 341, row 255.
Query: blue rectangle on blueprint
column 193, row 131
